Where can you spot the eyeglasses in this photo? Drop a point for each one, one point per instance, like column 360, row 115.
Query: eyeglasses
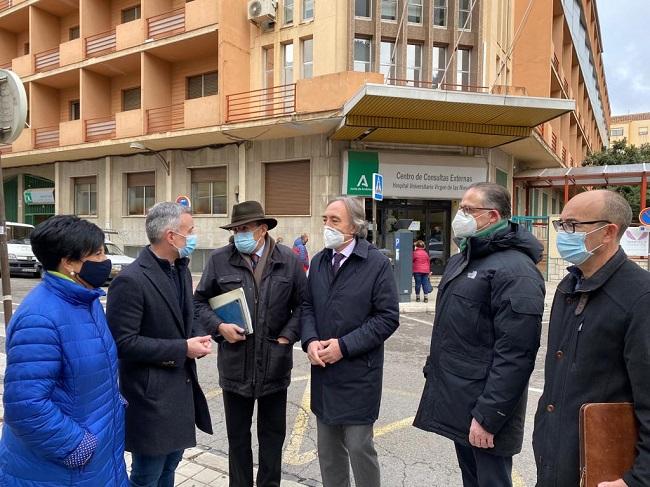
column 468, row 210
column 570, row 227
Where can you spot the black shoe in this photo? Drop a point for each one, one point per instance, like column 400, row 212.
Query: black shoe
column 417, row 299
column 426, row 300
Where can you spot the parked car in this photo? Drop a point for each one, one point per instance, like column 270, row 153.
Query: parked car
column 436, row 252
column 21, row 258
column 118, row 259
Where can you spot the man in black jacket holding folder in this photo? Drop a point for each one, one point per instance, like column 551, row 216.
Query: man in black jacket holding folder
column 598, row 340
column 256, row 366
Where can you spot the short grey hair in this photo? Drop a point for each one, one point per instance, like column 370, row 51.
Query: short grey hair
column 617, row 210
column 357, row 213
column 495, row 196
column 162, row 217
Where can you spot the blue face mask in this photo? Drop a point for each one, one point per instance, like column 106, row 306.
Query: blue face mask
column 190, row 245
column 572, row 247
column 245, row 242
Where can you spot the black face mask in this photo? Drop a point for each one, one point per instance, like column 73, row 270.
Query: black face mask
column 95, row 273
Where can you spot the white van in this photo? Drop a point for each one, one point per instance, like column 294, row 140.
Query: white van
column 118, row 260
column 21, row 258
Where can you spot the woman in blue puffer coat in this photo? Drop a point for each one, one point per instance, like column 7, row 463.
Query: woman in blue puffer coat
column 63, row 413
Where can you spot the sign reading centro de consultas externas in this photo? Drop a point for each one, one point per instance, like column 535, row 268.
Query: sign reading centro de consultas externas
column 411, row 175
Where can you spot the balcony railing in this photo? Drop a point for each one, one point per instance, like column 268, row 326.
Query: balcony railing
column 46, row 137
column 46, row 60
column 167, row 24
column 101, row 43
column 540, row 130
column 564, row 155
column 556, row 63
column 5, row 4
column 276, row 101
column 436, row 86
column 554, row 142
column 165, row 119
column 5, row 148
column 99, row 129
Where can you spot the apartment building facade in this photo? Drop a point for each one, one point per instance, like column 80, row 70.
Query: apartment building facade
column 633, row 128
column 138, row 101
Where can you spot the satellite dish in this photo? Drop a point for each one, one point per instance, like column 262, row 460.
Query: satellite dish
column 13, row 106
column 254, row 9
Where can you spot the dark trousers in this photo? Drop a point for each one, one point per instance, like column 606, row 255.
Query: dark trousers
column 271, row 430
column 481, row 469
column 158, row 471
column 422, row 280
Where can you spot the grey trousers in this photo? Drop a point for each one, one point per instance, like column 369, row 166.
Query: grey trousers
column 342, row 446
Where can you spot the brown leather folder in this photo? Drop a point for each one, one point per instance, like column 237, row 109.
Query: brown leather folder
column 608, row 436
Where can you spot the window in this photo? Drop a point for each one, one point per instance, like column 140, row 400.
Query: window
column 287, row 63
column 141, row 192
column 554, row 206
column 268, row 53
column 209, row 190
column 502, row 178
column 362, row 55
column 307, row 9
column 130, row 14
column 307, row 58
column 287, row 188
column 643, row 130
column 363, row 8
column 464, row 14
column 131, row 99
column 75, row 110
column 85, row 196
column 616, row 132
column 440, row 13
column 288, row 12
column 439, row 63
column 73, row 33
column 462, row 68
column 388, row 9
column 202, row 85
column 414, row 64
column 415, row 11
column 387, row 60
column 544, row 204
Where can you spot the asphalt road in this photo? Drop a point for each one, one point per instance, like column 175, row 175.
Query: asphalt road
column 408, row 456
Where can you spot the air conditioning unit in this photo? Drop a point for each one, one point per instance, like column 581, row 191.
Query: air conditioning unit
column 261, row 11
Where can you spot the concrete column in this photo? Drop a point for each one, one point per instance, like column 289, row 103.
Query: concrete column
column 242, row 173
column 108, row 176
column 20, row 188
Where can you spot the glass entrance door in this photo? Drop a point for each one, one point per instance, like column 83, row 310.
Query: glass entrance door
column 434, row 218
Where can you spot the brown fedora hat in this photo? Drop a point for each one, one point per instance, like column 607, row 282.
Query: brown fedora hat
column 247, row 212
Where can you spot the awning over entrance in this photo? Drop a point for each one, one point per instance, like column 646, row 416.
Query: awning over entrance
column 409, row 115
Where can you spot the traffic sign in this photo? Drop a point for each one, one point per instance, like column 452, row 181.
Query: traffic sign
column 184, row 201
column 377, row 186
column 644, row 216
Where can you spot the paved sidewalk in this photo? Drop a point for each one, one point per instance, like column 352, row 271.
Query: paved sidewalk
column 200, row 468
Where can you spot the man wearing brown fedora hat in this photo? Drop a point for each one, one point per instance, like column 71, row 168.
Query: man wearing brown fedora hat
column 254, row 367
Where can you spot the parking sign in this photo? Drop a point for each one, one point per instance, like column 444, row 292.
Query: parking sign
column 377, row 186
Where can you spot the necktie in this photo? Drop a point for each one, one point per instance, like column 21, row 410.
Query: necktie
column 338, row 257
column 254, row 259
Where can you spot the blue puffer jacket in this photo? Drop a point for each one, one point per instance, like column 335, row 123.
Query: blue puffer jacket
column 61, row 391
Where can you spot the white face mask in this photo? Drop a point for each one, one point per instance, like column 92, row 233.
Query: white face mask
column 464, row 225
column 333, row 238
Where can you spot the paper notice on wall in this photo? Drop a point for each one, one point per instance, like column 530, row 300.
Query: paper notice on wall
column 635, row 241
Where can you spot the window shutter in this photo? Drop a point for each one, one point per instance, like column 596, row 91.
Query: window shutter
column 287, row 188
column 210, row 84
column 140, row 179
column 131, row 99
column 194, row 87
column 209, row 174
column 85, row 180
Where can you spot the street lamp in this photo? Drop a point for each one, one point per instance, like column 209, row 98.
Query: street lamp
column 142, row 147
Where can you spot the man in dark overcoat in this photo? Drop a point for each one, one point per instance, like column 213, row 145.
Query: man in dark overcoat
column 151, row 314
column 350, row 311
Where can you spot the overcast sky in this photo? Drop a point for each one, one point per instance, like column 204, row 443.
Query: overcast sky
column 625, row 26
